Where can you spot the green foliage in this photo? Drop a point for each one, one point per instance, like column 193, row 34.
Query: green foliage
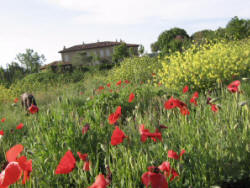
column 81, row 59
column 43, row 81
column 11, row 74
column 203, row 36
column 206, row 66
column 170, row 40
column 5, row 94
column 141, row 50
column 136, row 69
column 213, row 154
column 238, row 28
column 235, row 29
column 120, row 52
column 31, row 60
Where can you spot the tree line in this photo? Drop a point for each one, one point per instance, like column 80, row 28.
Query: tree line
column 177, row 39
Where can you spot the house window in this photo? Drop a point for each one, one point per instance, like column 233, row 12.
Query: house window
column 101, row 53
column 107, row 52
column 66, row 58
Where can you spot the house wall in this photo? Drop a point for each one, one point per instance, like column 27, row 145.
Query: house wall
column 105, row 53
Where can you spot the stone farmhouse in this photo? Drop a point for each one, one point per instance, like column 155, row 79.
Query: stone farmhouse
column 103, row 50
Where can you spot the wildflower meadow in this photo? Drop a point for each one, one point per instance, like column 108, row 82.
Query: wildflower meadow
column 117, row 130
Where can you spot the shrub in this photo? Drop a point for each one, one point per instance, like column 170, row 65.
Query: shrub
column 136, row 69
column 202, row 67
column 5, row 94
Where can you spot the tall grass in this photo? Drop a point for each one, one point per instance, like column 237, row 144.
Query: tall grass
column 216, row 144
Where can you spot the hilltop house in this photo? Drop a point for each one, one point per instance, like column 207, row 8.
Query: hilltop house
column 103, row 50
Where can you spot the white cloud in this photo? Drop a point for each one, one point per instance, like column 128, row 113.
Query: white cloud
column 139, row 11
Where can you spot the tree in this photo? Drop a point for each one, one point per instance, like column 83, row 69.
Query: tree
column 201, row 36
column 12, row 73
column 238, row 28
column 30, row 60
column 120, row 52
column 132, row 51
column 170, row 40
column 141, row 49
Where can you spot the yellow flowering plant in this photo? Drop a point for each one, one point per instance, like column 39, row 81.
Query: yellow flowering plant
column 205, row 66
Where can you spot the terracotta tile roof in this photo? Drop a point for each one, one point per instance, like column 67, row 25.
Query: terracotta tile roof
column 94, row 45
column 55, row 63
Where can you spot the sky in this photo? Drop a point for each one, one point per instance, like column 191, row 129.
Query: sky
column 47, row 25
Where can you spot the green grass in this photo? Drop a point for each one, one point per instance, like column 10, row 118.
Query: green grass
column 217, row 144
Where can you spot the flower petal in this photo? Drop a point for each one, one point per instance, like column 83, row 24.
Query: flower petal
column 67, row 163
column 172, row 154
column 100, row 182
column 13, row 152
column 11, row 174
column 117, row 136
column 20, row 126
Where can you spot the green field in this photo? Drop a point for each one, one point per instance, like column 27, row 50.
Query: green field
column 217, row 144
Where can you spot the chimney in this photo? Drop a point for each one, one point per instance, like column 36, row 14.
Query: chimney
column 64, row 47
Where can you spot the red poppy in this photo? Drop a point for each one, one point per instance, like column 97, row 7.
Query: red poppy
column 154, row 178
column 168, row 171
column 100, row 182
column 10, row 175
column 117, row 136
column 145, row 134
column 26, row 165
column 184, row 111
column 131, row 97
column 119, row 83
column 234, row 86
column 20, row 126
column 185, row 89
column 16, row 100
column 67, row 163
column 108, row 85
column 33, row 109
column 1, row 132
column 85, row 128
column 115, row 116
column 86, row 166
column 3, row 120
column 84, row 156
column 126, row 81
column 81, row 93
column 170, row 104
column 180, row 104
column 100, row 88
column 172, row 154
column 194, row 97
column 173, row 103
column 110, row 90
column 214, row 107
column 192, row 100
column 12, row 153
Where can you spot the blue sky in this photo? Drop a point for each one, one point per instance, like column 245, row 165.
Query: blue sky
column 48, row 25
